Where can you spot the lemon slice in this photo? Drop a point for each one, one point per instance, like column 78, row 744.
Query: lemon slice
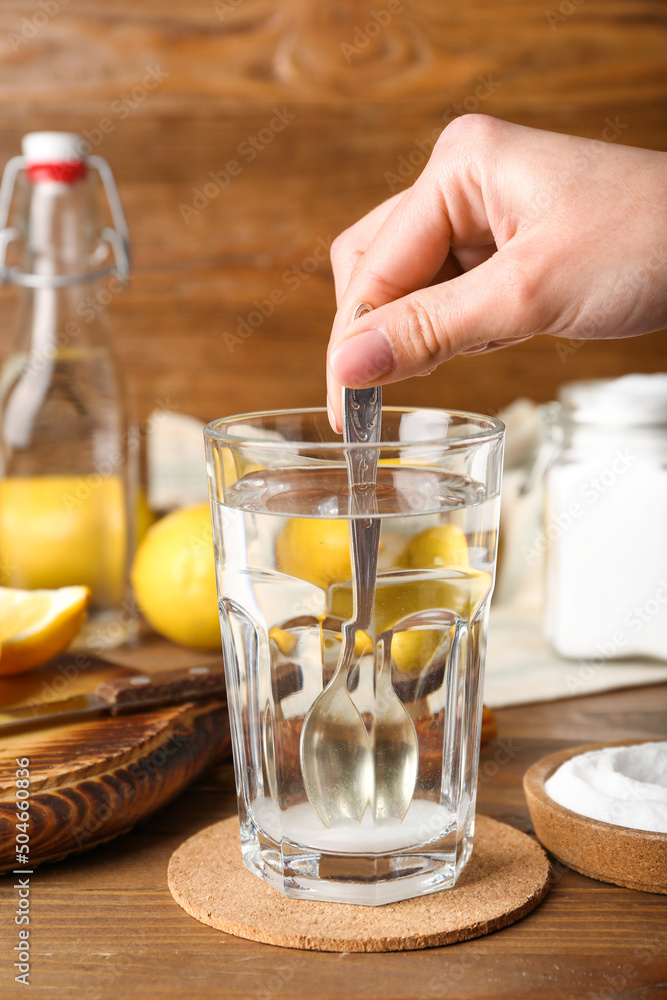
column 36, row 625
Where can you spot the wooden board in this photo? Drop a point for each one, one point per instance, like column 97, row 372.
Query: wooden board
column 93, row 780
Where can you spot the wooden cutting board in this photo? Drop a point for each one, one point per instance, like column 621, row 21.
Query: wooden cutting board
column 94, row 779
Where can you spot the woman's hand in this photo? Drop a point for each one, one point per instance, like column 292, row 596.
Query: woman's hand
column 508, row 233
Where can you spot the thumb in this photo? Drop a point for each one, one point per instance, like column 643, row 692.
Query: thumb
column 492, row 305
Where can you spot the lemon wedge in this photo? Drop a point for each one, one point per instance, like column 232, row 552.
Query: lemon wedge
column 36, row 625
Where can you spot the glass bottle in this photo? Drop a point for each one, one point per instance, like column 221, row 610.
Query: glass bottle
column 68, row 454
column 606, row 521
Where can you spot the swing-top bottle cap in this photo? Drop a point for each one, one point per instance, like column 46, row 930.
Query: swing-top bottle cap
column 52, row 163
column 54, row 156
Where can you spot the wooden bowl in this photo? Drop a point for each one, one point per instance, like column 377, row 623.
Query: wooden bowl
column 636, row 859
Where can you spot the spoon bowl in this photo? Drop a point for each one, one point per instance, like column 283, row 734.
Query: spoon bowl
column 394, row 740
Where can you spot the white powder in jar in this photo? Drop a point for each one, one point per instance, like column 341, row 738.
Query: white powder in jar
column 605, row 529
column 624, row 786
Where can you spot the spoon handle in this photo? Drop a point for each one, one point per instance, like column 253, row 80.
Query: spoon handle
column 361, row 425
column 365, row 545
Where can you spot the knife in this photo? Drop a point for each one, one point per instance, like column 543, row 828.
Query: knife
column 116, row 697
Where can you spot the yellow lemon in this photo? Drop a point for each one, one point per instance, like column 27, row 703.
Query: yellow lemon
column 316, row 549
column 285, row 641
column 36, row 625
column 59, row 531
column 445, row 545
column 173, row 576
column 331, row 643
column 395, row 600
column 411, row 650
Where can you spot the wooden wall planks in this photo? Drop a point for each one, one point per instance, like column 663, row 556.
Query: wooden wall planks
column 183, row 87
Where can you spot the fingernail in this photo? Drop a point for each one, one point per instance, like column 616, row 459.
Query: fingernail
column 362, row 359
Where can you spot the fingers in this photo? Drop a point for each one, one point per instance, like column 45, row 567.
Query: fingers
column 409, row 250
column 532, row 219
column 488, row 307
column 400, row 238
column 347, row 248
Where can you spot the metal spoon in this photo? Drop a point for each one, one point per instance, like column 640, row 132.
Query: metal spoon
column 393, row 735
column 395, row 748
column 342, row 772
column 336, row 759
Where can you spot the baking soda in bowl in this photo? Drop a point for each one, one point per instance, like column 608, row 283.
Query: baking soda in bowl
column 622, row 785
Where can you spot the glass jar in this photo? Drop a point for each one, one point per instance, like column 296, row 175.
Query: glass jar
column 606, row 520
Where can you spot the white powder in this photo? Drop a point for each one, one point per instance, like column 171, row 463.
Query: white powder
column 605, row 529
column 625, row 786
column 423, row 822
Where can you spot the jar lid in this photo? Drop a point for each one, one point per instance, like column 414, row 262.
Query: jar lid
column 630, row 401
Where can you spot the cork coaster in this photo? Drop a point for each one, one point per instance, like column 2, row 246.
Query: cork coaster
column 506, row 877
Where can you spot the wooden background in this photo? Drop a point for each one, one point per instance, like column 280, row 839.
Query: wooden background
column 360, row 99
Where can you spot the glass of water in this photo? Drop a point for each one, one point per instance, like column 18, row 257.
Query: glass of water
column 402, row 733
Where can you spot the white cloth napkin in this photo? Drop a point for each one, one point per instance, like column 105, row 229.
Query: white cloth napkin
column 521, row 668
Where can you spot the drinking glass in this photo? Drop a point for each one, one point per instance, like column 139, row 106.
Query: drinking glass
column 281, row 509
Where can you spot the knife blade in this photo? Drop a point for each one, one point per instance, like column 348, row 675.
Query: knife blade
column 116, row 697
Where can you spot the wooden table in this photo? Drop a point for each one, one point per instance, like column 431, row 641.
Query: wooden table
column 104, row 925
